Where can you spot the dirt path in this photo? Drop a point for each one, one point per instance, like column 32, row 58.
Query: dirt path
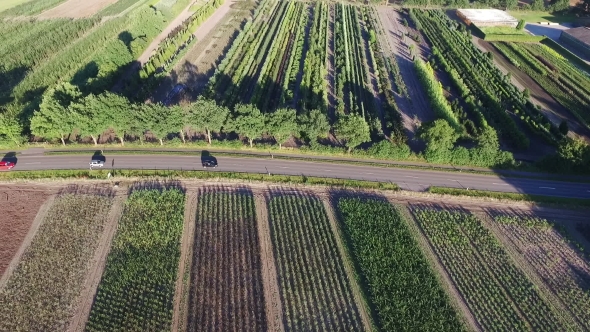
column 416, row 110
column 76, row 9
column 549, row 106
column 179, row 317
column 362, row 305
column 272, row 299
column 98, row 262
column 456, row 298
column 27, row 240
column 197, row 66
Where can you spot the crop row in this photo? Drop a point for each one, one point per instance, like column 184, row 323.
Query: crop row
column 316, row 293
column 138, row 284
column 491, row 94
column 563, row 81
column 499, row 295
column 226, row 282
column 41, row 294
column 401, row 285
column 560, row 266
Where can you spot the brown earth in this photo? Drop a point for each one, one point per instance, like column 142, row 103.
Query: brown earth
column 76, row 9
column 19, row 206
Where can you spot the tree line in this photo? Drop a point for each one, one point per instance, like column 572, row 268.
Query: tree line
column 66, row 114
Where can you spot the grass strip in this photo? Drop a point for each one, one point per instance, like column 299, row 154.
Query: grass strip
column 103, row 174
column 561, row 201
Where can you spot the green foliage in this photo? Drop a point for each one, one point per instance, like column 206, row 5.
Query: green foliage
column 306, row 252
column 248, row 121
column 389, row 150
column 30, row 8
column 352, row 129
column 206, row 116
column 44, row 288
column 410, row 298
column 137, row 288
column 521, row 24
column 497, row 292
column 281, row 124
column 573, row 156
column 314, row 124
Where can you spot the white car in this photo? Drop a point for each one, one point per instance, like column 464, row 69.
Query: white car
column 96, row 163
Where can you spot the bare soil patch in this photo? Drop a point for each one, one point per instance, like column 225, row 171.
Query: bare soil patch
column 19, row 206
column 76, row 9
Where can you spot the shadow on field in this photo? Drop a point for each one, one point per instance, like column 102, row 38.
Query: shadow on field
column 9, row 79
column 160, row 185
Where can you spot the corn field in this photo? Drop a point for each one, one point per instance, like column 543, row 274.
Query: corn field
column 226, row 283
column 137, row 288
column 316, row 292
column 41, row 293
column 401, row 285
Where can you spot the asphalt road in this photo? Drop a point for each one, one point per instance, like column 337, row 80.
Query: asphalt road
column 409, row 179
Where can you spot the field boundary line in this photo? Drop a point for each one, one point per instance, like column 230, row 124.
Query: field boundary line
column 270, row 285
column 39, row 218
column 456, row 298
column 179, row 316
column 362, row 303
column 94, row 276
column 529, row 271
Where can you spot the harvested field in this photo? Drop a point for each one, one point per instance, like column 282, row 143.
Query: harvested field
column 76, row 9
column 40, row 295
column 19, row 206
column 226, row 292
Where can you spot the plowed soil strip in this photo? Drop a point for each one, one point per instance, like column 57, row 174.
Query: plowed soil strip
column 273, row 306
column 180, row 296
column 27, row 240
column 86, row 298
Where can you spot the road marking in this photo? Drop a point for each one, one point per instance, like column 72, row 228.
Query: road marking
column 283, row 167
column 328, row 170
column 413, row 177
column 31, row 163
column 500, row 184
column 369, row 173
column 546, row 188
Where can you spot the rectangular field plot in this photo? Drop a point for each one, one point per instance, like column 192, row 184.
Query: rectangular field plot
column 315, row 291
column 40, row 295
column 226, row 291
column 561, row 267
column 401, row 285
column 137, row 287
column 497, row 292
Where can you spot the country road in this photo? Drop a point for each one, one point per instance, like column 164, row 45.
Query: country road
column 408, row 179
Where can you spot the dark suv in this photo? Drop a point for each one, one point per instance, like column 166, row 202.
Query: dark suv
column 209, row 163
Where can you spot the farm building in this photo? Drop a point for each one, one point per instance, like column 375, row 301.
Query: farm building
column 487, row 17
column 578, row 38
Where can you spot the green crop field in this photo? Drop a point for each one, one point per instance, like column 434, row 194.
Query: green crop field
column 10, row 3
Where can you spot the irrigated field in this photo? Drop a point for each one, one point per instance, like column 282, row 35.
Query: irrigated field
column 138, row 284
column 316, row 291
column 226, row 282
column 40, row 294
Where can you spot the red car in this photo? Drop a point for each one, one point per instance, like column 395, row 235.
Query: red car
column 5, row 165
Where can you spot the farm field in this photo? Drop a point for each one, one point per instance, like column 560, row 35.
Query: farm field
column 316, row 291
column 76, row 9
column 41, row 292
column 138, row 283
column 497, row 292
column 26, row 7
column 337, row 257
column 10, row 3
column 19, row 207
column 225, row 280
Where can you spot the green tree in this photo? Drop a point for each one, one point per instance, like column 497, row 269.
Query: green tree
column 511, row 4
column 438, row 135
column 10, row 128
column 55, row 118
column 282, row 124
column 97, row 113
column 313, row 125
column 162, row 120
column 248, row 122
column 521, row 24
column 205, row 115
column 353, row 130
